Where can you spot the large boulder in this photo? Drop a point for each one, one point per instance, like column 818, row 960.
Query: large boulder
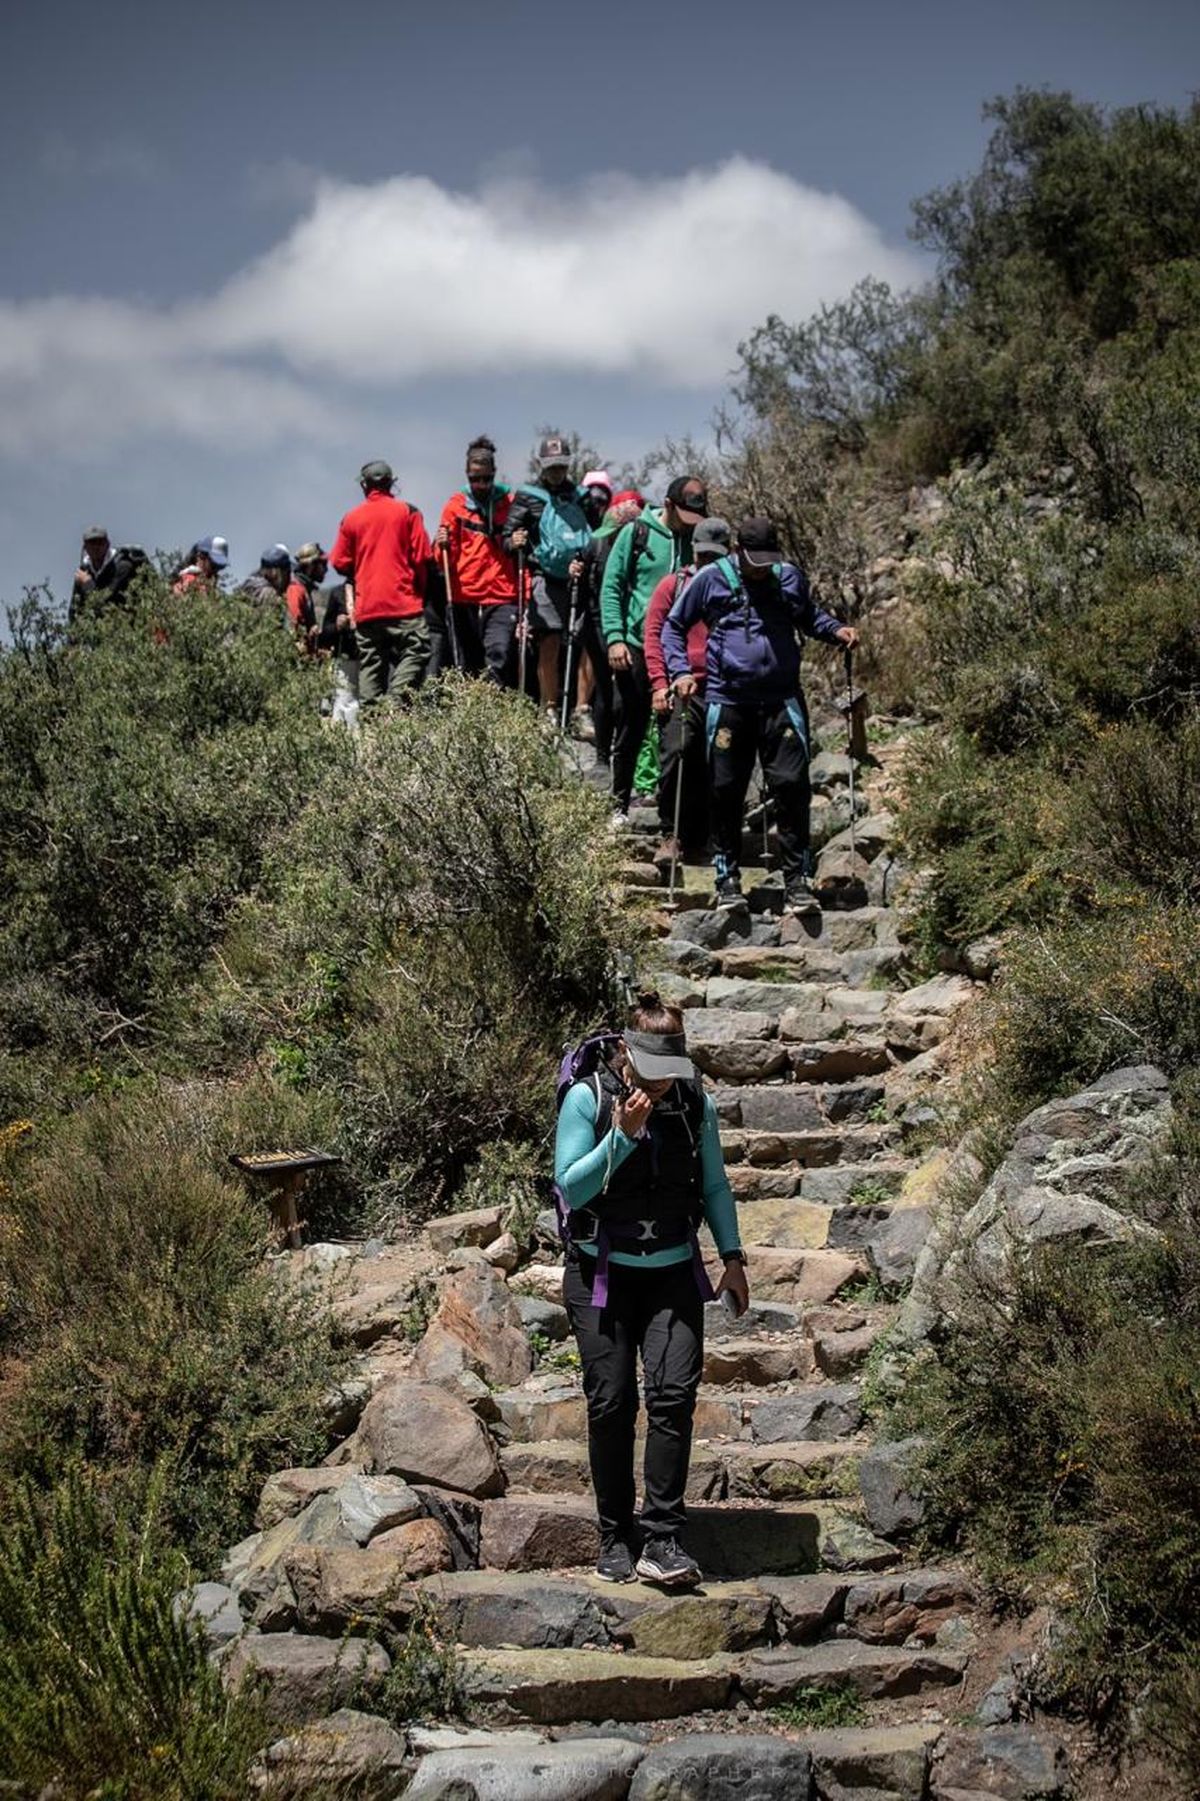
column 890, row 1486
column 304, row 1678
column 1012, row 1763
column 477, row 1327
column 354, row 1751
column 921, row 1017
column 426, row 1434
column 1062, row 1182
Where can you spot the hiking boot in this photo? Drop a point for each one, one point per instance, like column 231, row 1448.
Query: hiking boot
column 663, row 1561
column 800, row 899
column 582, row 725
column 729, row 891
column 615, row 1562
column 669, row 851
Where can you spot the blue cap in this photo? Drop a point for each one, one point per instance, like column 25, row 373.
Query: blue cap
column 277, row 557
column 216, row 550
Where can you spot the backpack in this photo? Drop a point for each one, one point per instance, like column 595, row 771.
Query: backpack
column 563, row 532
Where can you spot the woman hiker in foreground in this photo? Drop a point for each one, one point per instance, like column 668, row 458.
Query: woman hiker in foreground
column 638, row 1162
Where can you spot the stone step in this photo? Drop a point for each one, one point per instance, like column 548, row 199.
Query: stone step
column 820, row 1410
column 801, row 1470
column 558, row 1686
column 773, row 1677
column 874, row 1763
column 731, row 1541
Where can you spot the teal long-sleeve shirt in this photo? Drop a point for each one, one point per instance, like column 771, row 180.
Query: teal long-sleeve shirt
column 581, row 1166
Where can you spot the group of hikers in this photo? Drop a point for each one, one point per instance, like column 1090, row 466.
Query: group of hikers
column 631, row 625
column 648, row 631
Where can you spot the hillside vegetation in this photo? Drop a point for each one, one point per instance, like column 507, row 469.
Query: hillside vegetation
column 228, row 927
column 1040, row 611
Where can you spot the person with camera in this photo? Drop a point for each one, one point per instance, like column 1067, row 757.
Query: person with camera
column 638, row 1167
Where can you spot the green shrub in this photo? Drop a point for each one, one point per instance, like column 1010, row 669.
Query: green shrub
column 106, row 1692
column 1136, row 808
column 1123, row 987
column 150, row 761
column 433, row 930
column 145, row 1325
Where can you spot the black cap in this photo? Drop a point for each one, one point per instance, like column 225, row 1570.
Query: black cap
column 92, row 534
column 552, row 452
column 276, row 556
column 688, row 495
column 712, row 538
column 377, row 474
column 758, row 542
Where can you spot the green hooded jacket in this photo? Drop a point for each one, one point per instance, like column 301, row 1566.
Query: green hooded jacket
column 629, row 580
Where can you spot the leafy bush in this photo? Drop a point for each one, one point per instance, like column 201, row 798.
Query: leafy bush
column 150, row 761
column 144, row 1324
column 1120, row 988
column 107, row 1692
column 433, row 930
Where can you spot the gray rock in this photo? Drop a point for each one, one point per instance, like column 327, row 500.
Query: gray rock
column 546, row 1317
column 740, row 1060
column 895, row 1245
column 833, row 1410
column 454, row 1230
column 287, row 1491
column 302, row 1677
column 760, row 1316
column 889, row 1488
column 348, row 1748
column 1063, row 1180
column 852, row 1228
column 490, row 1608
column 846, row 1544
column 924, row 1016
column 786, row 1108
column 415, row 1430
column 685, row 957
column 874, row 1763
column 714, row 1766
column 214, row 1607
column 1012, row 1763
column 828, row 770
column 594, row 1769
column 841, row 879
column 710, row 930
column 871, row 835
column 368, row 1505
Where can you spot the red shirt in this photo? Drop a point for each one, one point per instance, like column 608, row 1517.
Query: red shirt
column 661, row 602
column 482, row 574
column 299, row 602
column 383, row 548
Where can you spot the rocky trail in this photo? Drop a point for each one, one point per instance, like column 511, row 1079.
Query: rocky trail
column 821, row 1658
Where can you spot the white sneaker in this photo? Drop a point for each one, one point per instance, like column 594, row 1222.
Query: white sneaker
column 619, row 822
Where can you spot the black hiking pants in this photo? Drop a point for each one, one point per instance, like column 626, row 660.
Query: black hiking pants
column 659, row 1314
column 778, row 737
column 592, row 642
column 683, row 756
column 631, row 716
column 487, row 640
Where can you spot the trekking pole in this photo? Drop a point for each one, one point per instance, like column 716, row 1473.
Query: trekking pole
column 683, row 744
column 522, row 623
column 571, row 618
column 848, row 658
column 451, row 628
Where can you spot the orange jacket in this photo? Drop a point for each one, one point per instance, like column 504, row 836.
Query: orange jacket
column 482, row 573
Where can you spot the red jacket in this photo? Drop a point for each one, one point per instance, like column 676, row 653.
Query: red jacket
column 482, row 574
column 661, row 602
column 383, row 548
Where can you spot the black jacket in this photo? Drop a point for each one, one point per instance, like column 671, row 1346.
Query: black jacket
column 109, row 585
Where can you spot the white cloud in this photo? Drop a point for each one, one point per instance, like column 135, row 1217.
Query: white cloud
column 383, row 284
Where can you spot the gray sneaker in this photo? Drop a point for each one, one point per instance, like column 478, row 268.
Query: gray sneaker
column 800, row 898
column 615, row 1562
column 663, row 1561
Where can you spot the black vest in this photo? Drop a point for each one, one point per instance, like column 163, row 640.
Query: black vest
column 661, row 1177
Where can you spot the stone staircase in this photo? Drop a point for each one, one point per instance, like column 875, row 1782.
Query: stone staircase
column 465, row 1487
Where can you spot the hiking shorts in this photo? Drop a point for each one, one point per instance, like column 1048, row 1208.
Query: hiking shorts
column 551, row 604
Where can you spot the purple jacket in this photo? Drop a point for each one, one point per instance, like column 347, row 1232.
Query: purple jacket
column 753, row 643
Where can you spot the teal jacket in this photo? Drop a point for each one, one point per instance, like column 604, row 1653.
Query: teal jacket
column 630, row 580
column 581, row 1166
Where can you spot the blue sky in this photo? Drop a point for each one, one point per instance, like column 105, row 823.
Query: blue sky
column 246, row 247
